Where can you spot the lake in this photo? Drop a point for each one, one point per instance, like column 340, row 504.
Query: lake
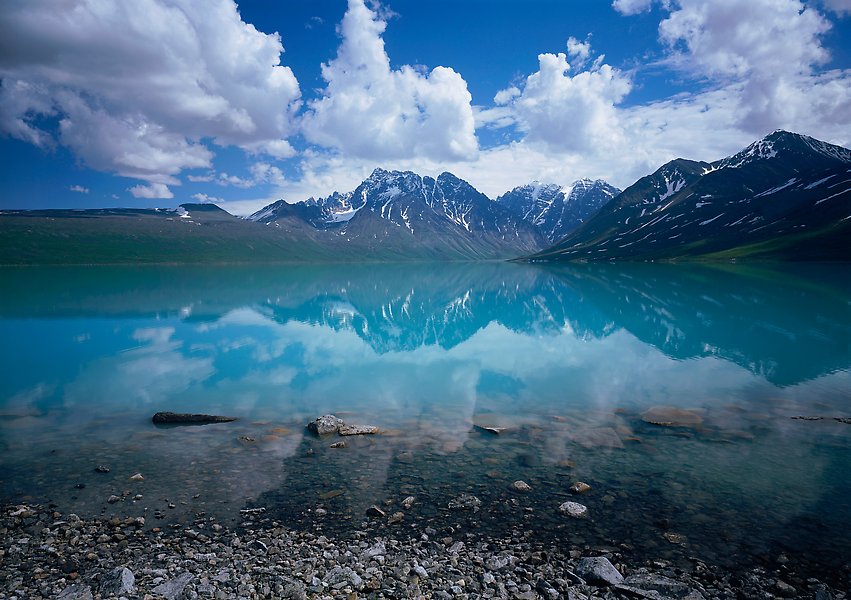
column 672, row 390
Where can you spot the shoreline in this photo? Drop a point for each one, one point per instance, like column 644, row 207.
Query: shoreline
column 49, row 554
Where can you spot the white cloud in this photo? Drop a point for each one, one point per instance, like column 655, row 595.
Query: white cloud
column 369, row 110
column 631, row 7
column 565, row 112
column 579, row 52
column 840, row 7
column 266, row 173
column 135, row 85
column 204, row 198
column 79, row 189
column 154, row 190
column 770, row 46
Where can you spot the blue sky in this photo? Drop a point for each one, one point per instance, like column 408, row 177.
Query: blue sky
column 160, row 102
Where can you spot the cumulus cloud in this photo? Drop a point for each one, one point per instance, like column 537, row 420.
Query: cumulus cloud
column 154, row 190
column 569, row 112
column 369, row 110
column 132, row 87
column 79, row 189
column 770, row 46
column 631, row 7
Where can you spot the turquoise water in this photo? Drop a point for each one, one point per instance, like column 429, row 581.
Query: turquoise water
column 569, row 360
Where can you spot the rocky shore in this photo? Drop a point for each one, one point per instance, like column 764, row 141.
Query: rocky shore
column 46, row 554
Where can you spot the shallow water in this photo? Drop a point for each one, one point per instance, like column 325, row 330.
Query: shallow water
column 569, row 360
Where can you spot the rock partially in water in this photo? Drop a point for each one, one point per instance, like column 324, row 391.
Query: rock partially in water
column 845, row 420
column 113, row 499
column 408, row 502
column 574, row 509
column 580, row 487
column 117, row 582
column 375, row 511
column 137, row 477
column 671, row 416
column 396, row 517
column 173, row 588
column 465, row 502
column 521, row 486
column 75, row 592
column 340, row 444
column 490, row 429
column 326, row 424
column 358, row 430
column 806, row 418
column 171, row 418
column 102, row 469
column 598, row 569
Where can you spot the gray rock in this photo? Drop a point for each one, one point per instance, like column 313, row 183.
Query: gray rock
column 173, row 588
column 408, row 502
column 574, row 509
column 75, row 592
column 119, row 581
column 358, row 430
column 465, row 502
column 521, row 486
column 784, row 589
column 598, row 569
column 377, row 549
column 546, row 590
column 325, row 424
column 495, row 563
column 339, row 577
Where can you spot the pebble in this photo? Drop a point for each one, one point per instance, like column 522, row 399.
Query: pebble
column 574, row 509
column 580, row 487
column 521, row 486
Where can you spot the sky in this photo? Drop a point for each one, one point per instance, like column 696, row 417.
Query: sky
column 163, row 102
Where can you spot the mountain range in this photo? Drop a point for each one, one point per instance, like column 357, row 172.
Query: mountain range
column 787, row 196
column 783, row 197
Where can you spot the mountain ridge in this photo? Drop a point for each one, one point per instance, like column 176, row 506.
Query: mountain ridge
column 768, row 201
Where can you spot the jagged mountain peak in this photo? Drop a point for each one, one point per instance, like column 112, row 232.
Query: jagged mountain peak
column 786, row 146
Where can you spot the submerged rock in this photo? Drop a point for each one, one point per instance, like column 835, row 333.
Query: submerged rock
column 670, row 416
column 358, row 429
column 580, row 487
column 171, row 418
column 521, row 486
column 574, row 509
column 598, row 569
column 465, row 502
column 325, row 425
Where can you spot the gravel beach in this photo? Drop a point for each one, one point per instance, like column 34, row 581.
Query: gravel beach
column 46, row 554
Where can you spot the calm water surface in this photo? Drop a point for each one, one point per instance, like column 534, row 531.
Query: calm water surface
column 568, row 359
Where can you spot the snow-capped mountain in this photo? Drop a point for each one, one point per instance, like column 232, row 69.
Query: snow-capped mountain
column 785, row 196
column 556, row 210
column 399, row 214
